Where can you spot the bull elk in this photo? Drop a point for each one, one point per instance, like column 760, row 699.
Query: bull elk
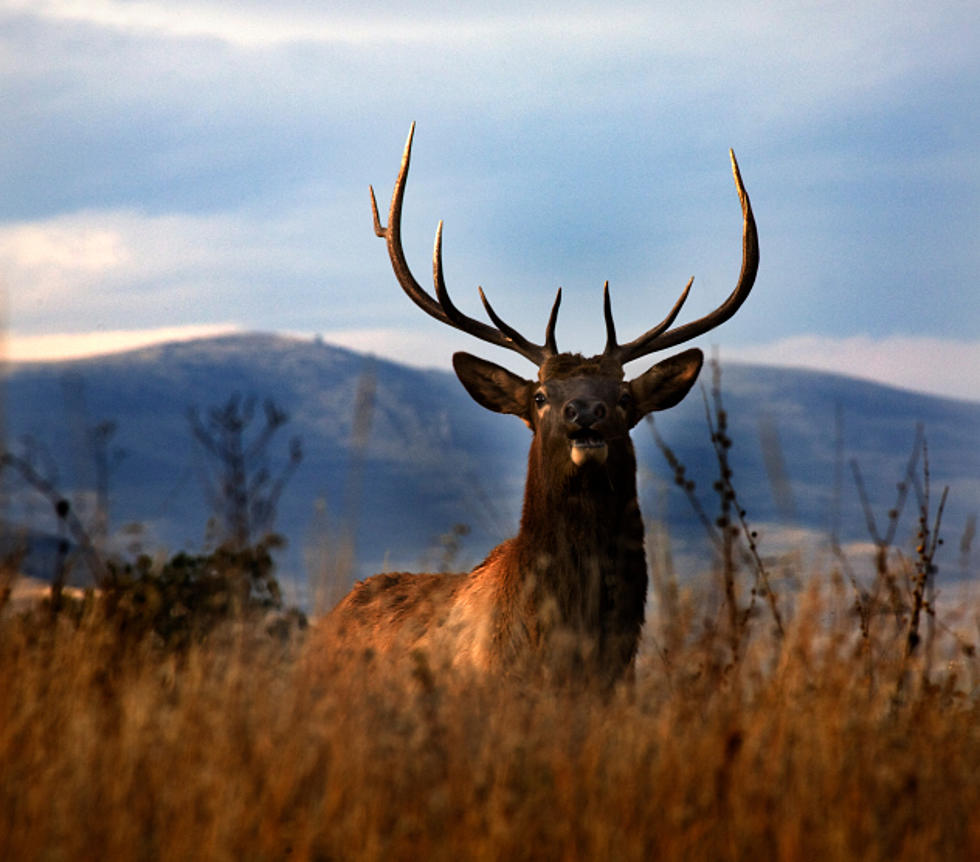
column 568, row 591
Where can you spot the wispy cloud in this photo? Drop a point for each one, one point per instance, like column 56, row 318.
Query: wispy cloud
column 78, row 345
column 263, row 25
column 933, row 365
column 125, row 270
column 843, row 43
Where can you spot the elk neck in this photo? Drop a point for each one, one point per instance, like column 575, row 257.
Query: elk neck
column 581, row 539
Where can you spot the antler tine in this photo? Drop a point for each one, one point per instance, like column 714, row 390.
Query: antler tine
column 378, row 228
column 550, row 345
column 519, row 342
column 392, row 234
column 611, row 345
column 503, row 336
column 442, row 307
column 549, row 348
column 639, row 346
column 660, row 338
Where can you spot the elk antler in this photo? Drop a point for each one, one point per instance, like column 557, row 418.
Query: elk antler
column 441, row 307
column 660, row 337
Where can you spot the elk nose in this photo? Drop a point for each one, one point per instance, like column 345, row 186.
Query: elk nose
column 583, row 413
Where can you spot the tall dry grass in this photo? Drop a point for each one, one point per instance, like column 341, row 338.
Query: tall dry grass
column 821, row 743
column 820, row 724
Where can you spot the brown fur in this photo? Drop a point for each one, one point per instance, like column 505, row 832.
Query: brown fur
column 566, row 594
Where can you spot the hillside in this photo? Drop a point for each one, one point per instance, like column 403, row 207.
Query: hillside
column 433, row 458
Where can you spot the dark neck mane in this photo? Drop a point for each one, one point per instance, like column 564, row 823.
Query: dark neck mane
column 579, row 554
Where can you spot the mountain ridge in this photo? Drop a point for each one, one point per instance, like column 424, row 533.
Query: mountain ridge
column 433, row 459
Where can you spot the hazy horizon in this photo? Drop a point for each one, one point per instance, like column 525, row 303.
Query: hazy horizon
column 434, row 353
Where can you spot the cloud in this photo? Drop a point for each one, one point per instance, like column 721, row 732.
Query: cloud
column 263, row 25
column 754, row 43
column 54, row 258
column 125, row 270
column 75, row 271
column 78, row 345
column 822, row 30
column 936, row 366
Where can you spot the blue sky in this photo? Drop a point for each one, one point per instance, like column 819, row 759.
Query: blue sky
column 192, row 166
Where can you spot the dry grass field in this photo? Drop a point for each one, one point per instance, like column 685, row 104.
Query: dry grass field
column 829, row 742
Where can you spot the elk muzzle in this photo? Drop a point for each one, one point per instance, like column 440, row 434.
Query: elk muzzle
column 587, row 443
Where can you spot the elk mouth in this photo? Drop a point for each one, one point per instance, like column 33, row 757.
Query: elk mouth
column 587, row 446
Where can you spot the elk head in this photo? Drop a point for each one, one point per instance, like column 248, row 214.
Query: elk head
column 583, row 407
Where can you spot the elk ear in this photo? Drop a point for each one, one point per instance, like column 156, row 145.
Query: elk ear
column 666, row 383
column 494, row 387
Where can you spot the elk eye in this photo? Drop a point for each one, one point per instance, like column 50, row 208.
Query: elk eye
column 626, row 401
column 539, row 399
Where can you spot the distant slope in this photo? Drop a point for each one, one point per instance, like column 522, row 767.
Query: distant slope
column 434, row 458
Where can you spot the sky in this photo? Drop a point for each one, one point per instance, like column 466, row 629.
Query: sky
column 191, row 167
